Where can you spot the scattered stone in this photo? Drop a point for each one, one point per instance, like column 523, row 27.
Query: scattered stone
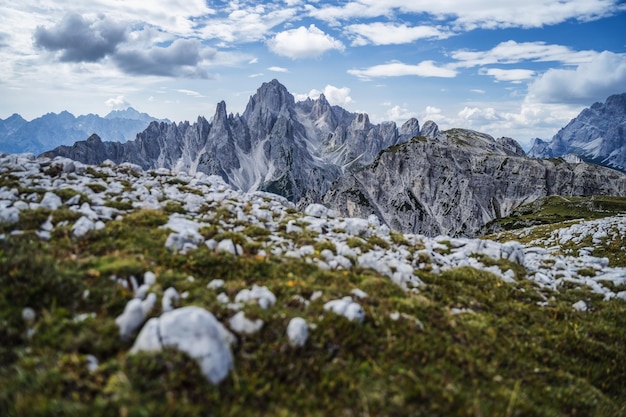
column 130, row 320
column 50, row 201
column 297, row 332
column 347, row 308
column 239, row 323
column 28, row 315
column 170, row 296
column 83, row 226
column 215, row 284
column 580, row 306
column 264, row 297
column 227, row 245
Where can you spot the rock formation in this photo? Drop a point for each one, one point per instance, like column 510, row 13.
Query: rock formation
column 456, row 183
column 596, row 135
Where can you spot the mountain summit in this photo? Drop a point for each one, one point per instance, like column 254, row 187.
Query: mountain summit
column 596, row 135
column 421, row 181
column 277, row 144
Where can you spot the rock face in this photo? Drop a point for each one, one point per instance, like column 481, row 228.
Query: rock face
column 458, row 182
column 51, row 130
column 276, row 145
column 596, row 135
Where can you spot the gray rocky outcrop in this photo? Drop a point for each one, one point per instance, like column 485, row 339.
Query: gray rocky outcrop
column 597, row 134
column 276, row 145
column 458, row 182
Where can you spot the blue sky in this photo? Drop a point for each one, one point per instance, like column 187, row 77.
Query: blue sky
column 521, row 69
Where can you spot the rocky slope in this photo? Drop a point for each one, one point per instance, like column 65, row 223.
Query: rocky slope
column 276, row 145
column 460, row 180
column 125, row 292
column 596, row 135
column 52, row 130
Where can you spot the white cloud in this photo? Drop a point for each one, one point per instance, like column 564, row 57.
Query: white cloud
column 254, row 61
column 258, row 74
column 400, row 69
column 190, row 93
column 478, row 91
column 379, row 33
column 512, row 75
column 303, row 42
column 339, row 96
column 589, row 82
column 117, row 103
column 399, row 114
column 468, row 15
column 247, row 24
column 277, row 69
column 512, row 52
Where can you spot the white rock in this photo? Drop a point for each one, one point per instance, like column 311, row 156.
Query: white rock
column 149, row 278
column 92, row 363
column 264, row 297
column 82, row 226
column 9, row 215
column 358, row 293
column 28, row 315
column 316, row 295
column 513, row 251
column 222, row 298
column 194, row 331
column 131, row 318
column 318, row 210
column 170, row 295
column 50, row 201
column 580, row 306
column 148, row 304
column 227, row 245
column 183, row 242
column 347, row 308
column 297, row 332
column 242, row 325
column 215, row 284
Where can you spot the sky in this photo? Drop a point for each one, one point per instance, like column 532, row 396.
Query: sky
column 520, row 69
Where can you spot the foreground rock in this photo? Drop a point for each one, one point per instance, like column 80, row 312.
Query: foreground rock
column 194, row 331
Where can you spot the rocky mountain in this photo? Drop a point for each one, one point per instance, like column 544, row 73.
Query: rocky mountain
column 455, row 183
column 595, row 135
column 51, row 130
column 415, row 180
column 276, row 145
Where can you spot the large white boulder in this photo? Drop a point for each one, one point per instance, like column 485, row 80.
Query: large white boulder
column 194, row 331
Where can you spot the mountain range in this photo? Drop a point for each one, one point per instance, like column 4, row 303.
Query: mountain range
column 18, row 135
column 415, row 180
column 596, row 135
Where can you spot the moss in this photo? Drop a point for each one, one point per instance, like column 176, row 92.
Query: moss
column 96, row 187
column 504, row 356
column 119, row 205
column 174, row 207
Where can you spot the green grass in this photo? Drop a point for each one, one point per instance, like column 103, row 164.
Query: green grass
column 507, row 357
column 557, row 209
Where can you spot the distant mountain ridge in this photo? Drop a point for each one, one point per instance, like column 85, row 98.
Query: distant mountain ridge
column 415, row 180
column 597, row 134
column 276, row 145
column 51, row 130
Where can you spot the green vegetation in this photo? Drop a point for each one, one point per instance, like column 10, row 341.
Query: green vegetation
column 557, row 209
column 466, row 344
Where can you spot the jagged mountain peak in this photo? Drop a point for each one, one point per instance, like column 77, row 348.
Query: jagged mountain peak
column 596, row 135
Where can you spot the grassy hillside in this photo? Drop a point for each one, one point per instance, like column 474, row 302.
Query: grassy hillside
column 462, row 343
column 556, row 209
